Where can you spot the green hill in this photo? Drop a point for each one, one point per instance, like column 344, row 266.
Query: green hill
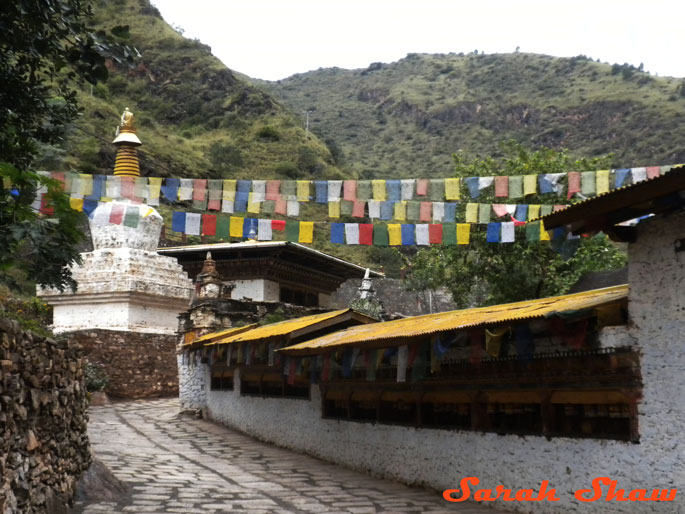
column 195, row 117
column 406, row 118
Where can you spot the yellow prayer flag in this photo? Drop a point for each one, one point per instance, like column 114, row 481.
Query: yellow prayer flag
column 530, row 184
column 400, row 213
column 544, row 235
column 452, row 191
column 252, row 205
column 334, row 209
column 155, row 186
column 303, row 190
column 463, row 233
column 147, row 212
column 229, row 186
column 602, row 177
column 394, row 234
column 235, row 227
column 76, row 203
column 533, row 211
column 85, row 184
column 306, row 232
column 471, row 213
column 378, row 190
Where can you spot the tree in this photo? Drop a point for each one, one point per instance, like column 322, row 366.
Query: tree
column 485, row 273
column 46, row 48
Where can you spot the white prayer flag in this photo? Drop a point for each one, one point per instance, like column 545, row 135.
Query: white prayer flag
column 422, row 234
column 185, row 192
column 507, row 232
column 352, row 233
column 374, row 209
column 264, row 232
column 484, row 182
column 227, row 206
column 438, row 211
column 293, row 208
column 193, row 223
column 638, row 174
column 113, row 187
column 407, row 186
column 102, row 213
column 334, row 188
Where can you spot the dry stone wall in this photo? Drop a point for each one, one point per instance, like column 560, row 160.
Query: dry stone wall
column 43, row 416
column 137, row 365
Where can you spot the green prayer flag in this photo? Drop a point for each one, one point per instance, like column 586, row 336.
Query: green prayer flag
column 268, row 206
column 413, row 211
column 436, row 190
column 140, row 187
column 545, row 210
column 588, row 183
column 132, row 216
column 292, row 231
column 516, row 186
column 380, row 235
column 200, row 205
column 289, row 189
column 533, row 231
column 364, row 190
column 346, row 208
column 449, row 234
column 484, row 212
column 222, row 226
column 70, row 179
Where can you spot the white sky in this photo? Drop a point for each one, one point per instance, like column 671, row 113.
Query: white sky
column 273, row 39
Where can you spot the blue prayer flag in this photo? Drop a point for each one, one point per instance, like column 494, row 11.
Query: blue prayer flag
column 337, row 233
column 472, row 184
column 240, row 204
column 250, row 226
column 621, row 176
column 493, row 233
column 178, row 221
column 450, row 212
column 521, row 212
column 243, row 186
column 170, row 189
column 98, row 188
column 89, row 206
column 321, row 187
column 387, row 210
column 393, row 190
column 408, row 230
column 545, row 185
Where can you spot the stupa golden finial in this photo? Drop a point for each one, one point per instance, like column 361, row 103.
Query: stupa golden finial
column 126, row 163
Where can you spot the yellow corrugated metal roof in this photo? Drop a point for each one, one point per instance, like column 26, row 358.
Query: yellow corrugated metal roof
column 397, row 332
column 282, row 328
column 222, row 333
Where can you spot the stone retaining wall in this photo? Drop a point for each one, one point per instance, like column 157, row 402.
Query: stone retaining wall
column 43, row 416
column 138, row 365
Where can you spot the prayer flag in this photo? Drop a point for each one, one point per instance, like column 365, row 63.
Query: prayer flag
column 268, row 206
column 374, row 209
column 493, row 232
column 292, row 231
column 545, row 210
column 264, row 230
column 101, row 215
column 350, row 190
column 463, row 233
column 364, row 190
column 293, row 208
column 334, row 189
column 407, row 188
column 408, row 235
column 521, row 212
column 394, row 234
column 365, row 234
column 438, row 211
column 639, row 174
column 280, row 205
column 533, row 211
column 381, row 236
column 472, row 185
column 437, row 189
column 89, row 206
column 85, row 184
column 253, row 204
column 193, row 223
column 229, row 187
column 76, row 203
column 544, row 235
column 573, row 183
column 530, row 185
column 209, row 224
column 178, row 221
column 502, row 186
column 244, row 186
column 199, row 189
column 379, row 190
column 393, row 189
column 352, row 233
column 413, row 211
column 533, row 231
column 400, row 211
column 334, row 209
column 500, row 209
column 449, row 234
column 358, row 209
column 435, row 234
column 259, row 190
column 508, row 234
column 450, row 212
column 289, row 190
column 153, row 191
column 425, row 212
column 338, row 233
column 602, row 177
column 185, row 192
column 321, row 189
column 250, row 226
column 452, row 191
column 471, row 213
column 169, row 189
column 303, row 190
column 227, row 206
column 222, row 226
column 653, row 171
column 387, row 209
column 306, row 231
column 422, row 187
column 588, row 183
column 620, row 176
column 116, row 215
column 241, row 199
column 484, row 213
column 236, row 226
column 421, row 235
column 272, row 190
column 278, row 225
column 516, row 186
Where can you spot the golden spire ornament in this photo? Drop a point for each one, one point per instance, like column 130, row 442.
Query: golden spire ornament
column 126, row 140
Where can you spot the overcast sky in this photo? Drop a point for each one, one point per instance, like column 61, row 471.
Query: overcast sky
column 273, row 39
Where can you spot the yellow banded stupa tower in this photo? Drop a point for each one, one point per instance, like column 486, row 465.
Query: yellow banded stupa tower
column 126, row 140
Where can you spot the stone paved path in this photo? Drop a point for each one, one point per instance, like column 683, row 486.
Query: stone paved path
column 185, row 465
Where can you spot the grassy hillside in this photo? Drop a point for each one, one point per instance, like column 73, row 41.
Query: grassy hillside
column 406, row 118
column 194, row 115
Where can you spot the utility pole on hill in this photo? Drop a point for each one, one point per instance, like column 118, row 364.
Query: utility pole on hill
column 306, row 124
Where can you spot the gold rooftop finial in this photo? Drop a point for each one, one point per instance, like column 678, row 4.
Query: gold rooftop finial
column 126, row 163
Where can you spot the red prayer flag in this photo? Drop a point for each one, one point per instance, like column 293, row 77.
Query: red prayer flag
column 214, row 205
column 422, row 186
column 653, row 171
column 350, row 190
column 278, row 225
column 45, row 207
column 365, row 234
column 116, row 216
column 59, row 175
column 502, row 186
column 425, row 211
column 435, row 233
column 281, row 205
column 272, row 188
column 358, row 209
column 127, row 187
column 199, row 189
column 573, row 183
column 559, row 207
column 208, row 224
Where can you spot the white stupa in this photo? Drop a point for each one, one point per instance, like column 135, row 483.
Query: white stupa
column 123, row 284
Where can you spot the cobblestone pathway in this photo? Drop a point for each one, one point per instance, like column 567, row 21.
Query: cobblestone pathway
column 179, row 464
